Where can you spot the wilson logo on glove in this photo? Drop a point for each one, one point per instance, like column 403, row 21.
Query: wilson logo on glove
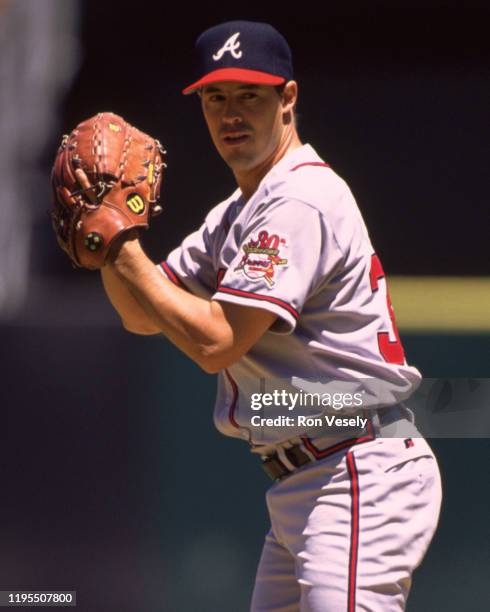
column 136, row 203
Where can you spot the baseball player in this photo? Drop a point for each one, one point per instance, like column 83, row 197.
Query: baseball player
column 280, row 292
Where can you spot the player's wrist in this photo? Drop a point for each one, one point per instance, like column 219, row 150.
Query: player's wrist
column 125, row 247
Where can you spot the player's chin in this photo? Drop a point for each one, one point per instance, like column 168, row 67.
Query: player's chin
column 240, row 163
column 236, row 156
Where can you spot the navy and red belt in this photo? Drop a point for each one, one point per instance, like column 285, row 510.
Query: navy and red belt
column 276, row 468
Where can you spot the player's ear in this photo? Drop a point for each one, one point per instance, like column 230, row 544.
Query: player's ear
column 290, row 95
column 289, row 99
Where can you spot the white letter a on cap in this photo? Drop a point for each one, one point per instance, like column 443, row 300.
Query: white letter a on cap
column 231, row 45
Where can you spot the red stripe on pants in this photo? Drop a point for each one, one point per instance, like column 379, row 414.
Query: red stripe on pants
column 354, row 540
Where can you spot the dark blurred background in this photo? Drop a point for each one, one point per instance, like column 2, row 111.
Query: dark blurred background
column 394, row 95
column 115, row 483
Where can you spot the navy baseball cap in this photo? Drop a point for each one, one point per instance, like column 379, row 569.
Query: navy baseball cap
column 243, row 51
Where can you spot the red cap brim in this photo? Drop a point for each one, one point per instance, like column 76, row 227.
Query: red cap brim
column 235, row 74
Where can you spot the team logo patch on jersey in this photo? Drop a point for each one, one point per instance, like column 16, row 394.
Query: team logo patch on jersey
column 261, row 257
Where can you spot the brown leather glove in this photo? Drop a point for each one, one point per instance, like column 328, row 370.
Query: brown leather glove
column 106, row 180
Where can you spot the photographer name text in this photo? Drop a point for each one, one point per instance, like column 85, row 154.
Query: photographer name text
column 305, row 421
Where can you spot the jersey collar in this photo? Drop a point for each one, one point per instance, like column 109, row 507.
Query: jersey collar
column 305, row 153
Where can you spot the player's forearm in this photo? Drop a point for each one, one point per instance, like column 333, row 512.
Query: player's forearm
column 133, row 316
column 195, row 325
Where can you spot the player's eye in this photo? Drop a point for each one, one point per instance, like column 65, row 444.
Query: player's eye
column 249, row 95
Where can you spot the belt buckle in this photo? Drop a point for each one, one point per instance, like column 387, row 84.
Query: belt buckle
column 297, row 456
column 274, row 467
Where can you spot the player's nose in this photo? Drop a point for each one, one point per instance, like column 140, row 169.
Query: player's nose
column 231, row 111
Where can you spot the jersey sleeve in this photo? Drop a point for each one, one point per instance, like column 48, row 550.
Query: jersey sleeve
column 192, row 264
column 285, row 252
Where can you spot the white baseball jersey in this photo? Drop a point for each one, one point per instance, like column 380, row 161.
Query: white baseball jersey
column 347, row 530
column 300, row 249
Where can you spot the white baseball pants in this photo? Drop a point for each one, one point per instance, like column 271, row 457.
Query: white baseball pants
column 348, row 531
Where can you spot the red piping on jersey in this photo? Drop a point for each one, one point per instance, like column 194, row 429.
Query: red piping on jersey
column 321, row 454
column 219, row 277
column 258, row 296
column 354, row 537
column 310, row 164
column 170, row 273
column 234, row 401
